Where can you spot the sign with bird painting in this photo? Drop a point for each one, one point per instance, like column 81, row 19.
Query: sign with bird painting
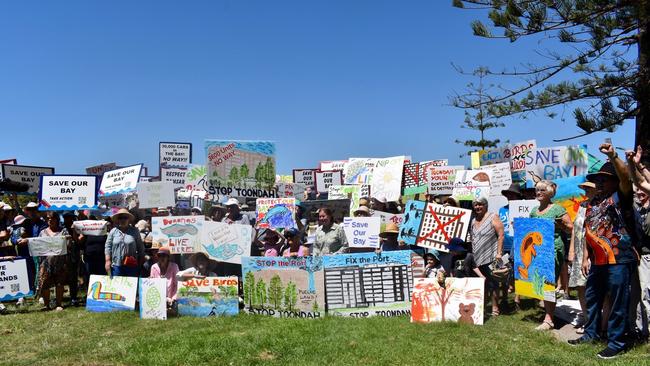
column 182, row 234
column 534, row 258
column 208, row 296
column 106, row 293
column 276, row 213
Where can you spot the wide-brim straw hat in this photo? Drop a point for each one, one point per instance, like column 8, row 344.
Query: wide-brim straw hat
column 125, row 212
column 391, row 228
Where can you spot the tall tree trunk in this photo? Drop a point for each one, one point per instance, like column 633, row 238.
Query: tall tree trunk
column 642, row 136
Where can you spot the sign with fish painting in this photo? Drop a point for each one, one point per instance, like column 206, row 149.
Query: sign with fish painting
column 156, row 194
column 29, row 175
column 362, row 232
column 368, row 284
column 457, row 299
column 14, row 281
column 305, row 176
column 430, row 225
column 175, row 154
column 326, row 179
column 182, row 234
column 99, row 170
column 106, row 293
column 440, row 179
column 276, row 213
column 120, row 180
column 91, row 227
column 534, row 258
column 569, row 195
column 551, row 163
column 153, row 298
column 471, row 184
column 386, row 181
column 240, row 168
column 284, row 287
column 47, row 246
column 209, row 296
column 67, row 192
column 226, row 242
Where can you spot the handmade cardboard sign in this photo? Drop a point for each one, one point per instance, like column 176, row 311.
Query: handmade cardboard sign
column 351, row 192
column 226, row 242
column 156, row 194
column 99, row 170
column 430, row 225
column 385, row 218
column 534, row 258
column 330, row 165
column 386, row 181
column 457, row 299
column 175, row 154
column 29, row 175
column 209, row 296
column 414, row 178
column 519, row 208
column 46, row 246
column 440, row 179
column 358, row 171
column 14, row 281
column 196, row 178
column 174, row 175
column 362, row 232
column 291, row 190
column 472, row 184
column 500, row 176
column 90, row 227
column 551, row 163
column 67, row 192
column 182, row 234
column 106, row 293
column 153, row 298
column 326, row 179
column 120, row 180
column 275, row 213
column 305, row 176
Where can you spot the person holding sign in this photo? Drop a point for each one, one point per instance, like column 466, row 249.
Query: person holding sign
column 330, row 237
column 165, row 268
column 124, row 249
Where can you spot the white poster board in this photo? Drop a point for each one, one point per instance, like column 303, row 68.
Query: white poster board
column 441, row 178
column 156, row 194
column 14, row 281
column 226, row 242
column 326, row 179
column 182, row 234
column 29, row 175
column 68, row 192
column 153, row 298
column 362, row 232
column 120, row 180
column 175, row 154
column 46, row 246
column 91, row 227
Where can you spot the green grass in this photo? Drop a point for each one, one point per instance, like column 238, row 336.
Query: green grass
column 76, row 337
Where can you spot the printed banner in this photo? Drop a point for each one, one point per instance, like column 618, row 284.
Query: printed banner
column 29, row 175
column 305, row 176
column 99, row 170
column 175, row 176
column 326, row 179
column 106, row 293
column 153, row 298
column 458, row 300
column 441, row 179
column 551, row 163
column 534, row 258
column 430, row 225
column 14, row 281
column 91, row 227
column 182, row 234
column 226, row 242
column 46, row 246
column 284, row 287
column 275, row 213
column 67, row 192
column 156, row 194
column 291, row 190
column 120, row 180
column 209, row 296
column 175, row 154
column 471, row 184
column 386, row 181
column 362, row 232
column 369, row 284
column 351, row 192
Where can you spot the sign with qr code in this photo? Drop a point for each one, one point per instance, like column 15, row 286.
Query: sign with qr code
column 68, row 192
column 14, row 282
column 120, row 180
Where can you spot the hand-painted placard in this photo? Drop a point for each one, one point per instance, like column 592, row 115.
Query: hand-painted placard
column 156, row 194
column 569, row 195
column 182, row 234
column 174, row 175
column 91, row 227
column 68, row 192
column 175, row 154
column 46, row 246
column 362, row 232
column 196, row 178
column 120, row 180
column 153, row 298
column 326, row 179
column 514, row 154
column 472, row 184
column 351, row 192
column 14, row 281
column 107, row 293
column 385, row 218
column 99, row 170
column 29, row 175
column 358, row 171
column 275, row 213
column 430, row 225
column 458, row 300
column 226, row 242
column 414, row 177
column 551, row 163
column 305, row 176
column 331, row 165
column 386, row 181
column 368, row 284
column 116, row 200
column 209, row 296
column 500, row 177
column 291, row 190
column 534, row 258
column 284, row 287
column 519, row 208
column 441, row 179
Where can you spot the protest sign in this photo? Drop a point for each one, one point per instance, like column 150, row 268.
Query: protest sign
column 385, row 218
column 458, row 300
column 368, row 284
column 569, row 195
column 351, row 192
column 284, row 178
column 472, row 184
column 196, row 178
column 358, row 171
column 67, row 192
column 90, row 227
column 226, row 242
column 29, row 175
column 340, row 209
column 275, row 213
column 414, row 177
column 284, row 287
column 106, row 293
column 305, row 176
column 513, row 154
column 291, row 190
column 156, row 194
column 441, row 179
column 120, row 180
column 386, row 181
column 153, row 298
column 8, row 162
column 116, row 200
column 519, row 208
column 209, row 296
column 362, row 232
column 500, row 177
column 144, row 179
column 174, row 154
column 551, row 163
column 14, row 281
column 99, row 170
column 241, row 168
column 326, row 179
column 182, row 234
column 174, row 175
column 534, row 258
column 430, row 225
column 46, row 246
column 330, row 165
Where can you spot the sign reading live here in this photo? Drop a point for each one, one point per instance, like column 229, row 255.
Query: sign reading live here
column 29, row 175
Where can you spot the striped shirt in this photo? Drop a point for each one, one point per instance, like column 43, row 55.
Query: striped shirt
column 484, row 241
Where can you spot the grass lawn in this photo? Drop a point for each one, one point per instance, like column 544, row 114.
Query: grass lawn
column 76, row 337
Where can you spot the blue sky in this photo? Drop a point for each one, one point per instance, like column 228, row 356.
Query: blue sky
column 83, row 83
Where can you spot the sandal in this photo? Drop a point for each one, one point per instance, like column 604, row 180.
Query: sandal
column 495, row 313
column 546, row 325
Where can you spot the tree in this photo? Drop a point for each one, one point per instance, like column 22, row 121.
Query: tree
column 249, row 289
column 234, row 175
column 259, row 174
column 601, row 36
column 269, row 172
column 243, row 171
column 275, row 291
column 260, row 291
column 290, row 296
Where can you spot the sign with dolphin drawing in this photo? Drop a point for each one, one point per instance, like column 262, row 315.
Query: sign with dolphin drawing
column 276, row 213
column 182, row 234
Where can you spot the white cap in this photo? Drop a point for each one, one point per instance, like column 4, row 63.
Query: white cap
column 197, row 208
column 232, row 202
column 6, row 207
column 32, row 205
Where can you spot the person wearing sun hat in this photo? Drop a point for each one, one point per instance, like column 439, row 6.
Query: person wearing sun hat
column 362, row 211
column 233, row 213
column 165, row 268
column 388, row 237
column 124, row 249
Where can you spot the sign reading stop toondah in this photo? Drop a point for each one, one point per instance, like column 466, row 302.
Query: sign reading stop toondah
column 68, row 192
column 27, row 174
